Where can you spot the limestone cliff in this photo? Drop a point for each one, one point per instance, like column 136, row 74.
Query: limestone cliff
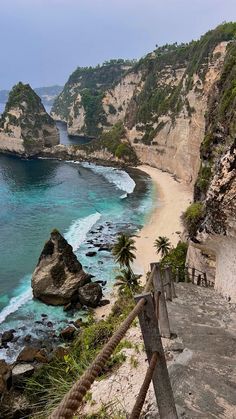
column 215, row 189
column 25, row 126
column 161, row 101
column 80, row 103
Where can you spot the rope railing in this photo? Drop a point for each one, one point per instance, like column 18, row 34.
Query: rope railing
column 144, row 389
column 151, row 310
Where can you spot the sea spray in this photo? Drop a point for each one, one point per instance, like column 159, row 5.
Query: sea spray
column 77, row 232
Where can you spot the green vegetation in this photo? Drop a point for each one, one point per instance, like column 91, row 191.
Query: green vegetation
column 111, row 141
column 127, row 278
column 50, row 383
column 176, row 258
column 90, row 83
column 158, row 99
column 163, row 245
column 220, row 120
column 123, row 250
column 192, row 218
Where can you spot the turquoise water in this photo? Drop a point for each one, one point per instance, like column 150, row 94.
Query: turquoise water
column 85, row 202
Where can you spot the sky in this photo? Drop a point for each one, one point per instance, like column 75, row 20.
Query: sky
column 43, row 41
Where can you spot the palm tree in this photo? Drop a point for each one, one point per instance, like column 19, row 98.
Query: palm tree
column 127, row 278
column 162, row 245
column 123, row 250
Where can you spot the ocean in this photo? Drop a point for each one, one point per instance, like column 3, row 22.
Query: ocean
column 86, row 203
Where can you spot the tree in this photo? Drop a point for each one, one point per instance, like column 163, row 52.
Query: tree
column 123, row 250
column 127, row 278
column 162, row 245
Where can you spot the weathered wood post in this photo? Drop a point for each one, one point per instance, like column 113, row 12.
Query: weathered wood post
column 199, row 278
column 167, row 285
column 172, row 285
column 159, row 289
column 205, row 278
column 193, row 275
column 152, row 342
column 186, row 279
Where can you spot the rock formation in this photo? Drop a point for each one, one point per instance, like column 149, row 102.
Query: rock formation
column 59, row 277
column 25, row 127
column 161, row 102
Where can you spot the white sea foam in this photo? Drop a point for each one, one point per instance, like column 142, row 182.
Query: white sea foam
column 15, row 303
column 78, row 230
column 118, row 177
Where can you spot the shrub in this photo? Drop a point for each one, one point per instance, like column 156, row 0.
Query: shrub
column 176, row 258
column 192, row 218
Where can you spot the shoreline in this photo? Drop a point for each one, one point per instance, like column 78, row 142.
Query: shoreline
column 171, row 198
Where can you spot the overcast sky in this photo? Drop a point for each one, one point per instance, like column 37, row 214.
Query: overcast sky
column 43, row 41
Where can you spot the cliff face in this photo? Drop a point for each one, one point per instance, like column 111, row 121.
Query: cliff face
column 80, row 102
column 25, row 126
column 161, row 101
column 215, row 187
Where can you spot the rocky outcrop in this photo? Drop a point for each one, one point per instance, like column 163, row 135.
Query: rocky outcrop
column 58, row 276
column 90, row 294
column 25, row 126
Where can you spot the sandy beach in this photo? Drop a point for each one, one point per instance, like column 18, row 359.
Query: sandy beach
column 171, row 199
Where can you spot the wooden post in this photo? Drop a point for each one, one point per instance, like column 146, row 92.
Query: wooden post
column 193, row 275
column 205, row 278
column 167, row 285
column 152, row 342
column 172, row 285
column 186, row 275
column 163, row 313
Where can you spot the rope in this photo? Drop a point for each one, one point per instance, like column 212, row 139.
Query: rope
column 73, row 398
column 143, row 390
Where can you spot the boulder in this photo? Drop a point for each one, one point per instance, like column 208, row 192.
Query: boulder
column 5, row 376
column 90, row 294
column 68, row 333
column 20, row 372
column 8, row 336
column 58, row 274
column 31, row 354
column 91, row 253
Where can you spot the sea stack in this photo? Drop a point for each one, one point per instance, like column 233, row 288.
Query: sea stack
column 25, row 126
column 59, row 278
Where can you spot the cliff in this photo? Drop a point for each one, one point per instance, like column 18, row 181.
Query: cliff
column 213, row 228
column 161, row 101
column 25, row 127
column 80, row 102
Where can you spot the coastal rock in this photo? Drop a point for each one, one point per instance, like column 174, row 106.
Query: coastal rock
column 58, row 274
column 8, row 336
column 5, row 376
column 25, row 127
column 68, row 333
column 90, row 294
column 20, row 372
column 91, row 254
column 31, row 354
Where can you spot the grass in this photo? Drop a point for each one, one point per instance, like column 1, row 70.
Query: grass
column 51, row 382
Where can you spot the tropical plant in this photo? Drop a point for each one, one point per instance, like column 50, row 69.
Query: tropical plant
column 127, row 278
column 123, row 250
column 162, row 245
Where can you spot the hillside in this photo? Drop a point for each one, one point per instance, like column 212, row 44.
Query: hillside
column 80, row 102
column 25, row 126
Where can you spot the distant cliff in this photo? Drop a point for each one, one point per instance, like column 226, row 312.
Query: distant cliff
column 161, row 101
column 25, row 127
